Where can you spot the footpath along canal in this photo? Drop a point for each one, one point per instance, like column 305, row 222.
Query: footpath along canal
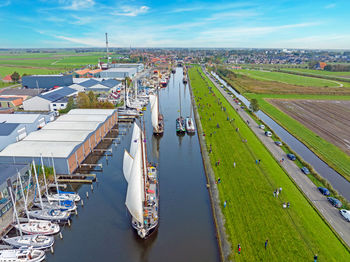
column 102, row 230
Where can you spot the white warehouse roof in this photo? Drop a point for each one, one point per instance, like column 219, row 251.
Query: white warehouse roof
column 91, row 112
column 82, row 118
column 19, row 118
column 58, row 135
column 72, row 125
column 37, row 148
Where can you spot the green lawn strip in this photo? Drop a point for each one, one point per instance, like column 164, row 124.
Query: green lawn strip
column 286, row 78
column 252, row 213
column 318, row 72
column 328, row 152
column 6, row 70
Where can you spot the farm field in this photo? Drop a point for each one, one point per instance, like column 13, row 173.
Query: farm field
column 245, row 84
column 328, row 152
column 330, row 119
column 319, row 72
column 289, row 78
column 252, row 213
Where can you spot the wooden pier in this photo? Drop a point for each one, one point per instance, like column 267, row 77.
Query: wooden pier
column 77, row 178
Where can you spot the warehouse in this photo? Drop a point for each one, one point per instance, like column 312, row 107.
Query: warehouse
column 119, row 73
column 46, row 81
column 11, row 133
column 68, row 140
column 31, row 122
column 139, row 67
column 50, row 101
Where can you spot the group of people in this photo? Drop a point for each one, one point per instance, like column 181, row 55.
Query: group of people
column 240, row 248
column 277, row 192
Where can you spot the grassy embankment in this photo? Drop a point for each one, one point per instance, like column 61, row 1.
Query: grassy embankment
column 318, row 72
column 252, row 213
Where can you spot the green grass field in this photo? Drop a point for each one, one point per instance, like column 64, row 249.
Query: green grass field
column 318, row 72
column 328, row 152
column 252, row 213
column 288, row 78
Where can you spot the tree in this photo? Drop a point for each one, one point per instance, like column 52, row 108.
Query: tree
column 254, row 105
column 83, row 100
column 15, row 77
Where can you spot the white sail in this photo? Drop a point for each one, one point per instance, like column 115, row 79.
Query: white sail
column 134, row 195
column 134, row 139
column 127, row 165
column 154, row 109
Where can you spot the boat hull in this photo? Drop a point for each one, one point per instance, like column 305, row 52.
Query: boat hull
column 34, row 241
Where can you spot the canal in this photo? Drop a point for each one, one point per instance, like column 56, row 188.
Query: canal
column 338, row 182
column 102, row 230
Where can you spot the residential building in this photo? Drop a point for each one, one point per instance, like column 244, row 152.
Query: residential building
column 10, row 101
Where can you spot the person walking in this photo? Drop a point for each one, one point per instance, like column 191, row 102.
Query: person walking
column 234, row 164
column 259, row 161
column 277, row 192
column 225, row 203
column 315, row 258
column 288, row 204
column 280, row 189
column 274, row 193
column 266, row 242
column 239, row 249
column 256, row 161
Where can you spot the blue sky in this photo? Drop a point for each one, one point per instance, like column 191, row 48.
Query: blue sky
column 177, row 23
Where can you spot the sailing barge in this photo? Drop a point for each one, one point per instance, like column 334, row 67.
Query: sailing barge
column 157, row 118
column 142, row 198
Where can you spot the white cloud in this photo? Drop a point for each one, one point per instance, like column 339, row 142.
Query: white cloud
column 77, row 4
column 93, row 42
column 5, row 3
column 210, row 7
column 330, row 6
column 132, row 11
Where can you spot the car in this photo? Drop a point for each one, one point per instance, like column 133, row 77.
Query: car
column 262, row 126
column 305, row 170
column 345, row 213
column 268, row 133
column 335, row 202
column 279, row 143
column 324, row 191
column 291, row 157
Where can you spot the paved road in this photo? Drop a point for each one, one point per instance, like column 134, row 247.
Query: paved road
column 330, row 213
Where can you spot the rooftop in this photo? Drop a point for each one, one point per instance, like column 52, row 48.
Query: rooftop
column 58, row 135
column 8, row 170
column 72, row 125
column 91, row 112
column 89, row 83
column 19, row 118
column 82, row 118
column 58, row 93
column 7, row 128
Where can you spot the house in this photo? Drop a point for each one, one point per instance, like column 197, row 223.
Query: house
column 81, row 73
column 320, row 65
column 10, row 101
column 46, row 81
column 50, row 101
column 94, row 73
column 7, row 79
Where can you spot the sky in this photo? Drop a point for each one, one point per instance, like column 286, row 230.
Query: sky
column 308, row 24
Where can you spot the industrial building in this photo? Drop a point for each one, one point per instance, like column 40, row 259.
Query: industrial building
column 50, row 101
column 68, row 140
column 46, row 81
column 119, row 73
column 15, row 127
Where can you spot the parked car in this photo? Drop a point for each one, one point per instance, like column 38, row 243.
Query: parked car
column 291, row 157
column 345, row 213
column 324, row 191
column 268, row 133
column 262, row 126
column 279, row 143
column 335, row 202
column 305, row 170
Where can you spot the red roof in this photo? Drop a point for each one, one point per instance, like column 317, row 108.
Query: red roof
column 7, row 78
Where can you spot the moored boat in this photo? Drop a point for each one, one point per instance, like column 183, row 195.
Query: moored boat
column 22, row 255
column 157, row 118
column 190, row 129
column 34, row 241
column 142, row 198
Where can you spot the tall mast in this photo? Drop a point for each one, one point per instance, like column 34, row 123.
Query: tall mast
column 24, row 197
column 107, row 50
column 143, row 167
column 54, row 173
column 43, row 169
column 38, row 186
column 180, row 98
column 15, row 211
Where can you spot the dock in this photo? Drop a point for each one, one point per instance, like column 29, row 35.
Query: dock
column 77, row 178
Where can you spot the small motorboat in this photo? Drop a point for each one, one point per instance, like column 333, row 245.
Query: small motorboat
column 190, row 125
column 22, row 255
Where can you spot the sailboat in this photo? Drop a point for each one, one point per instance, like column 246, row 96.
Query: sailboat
column 157, row 118
column 142, row 198
column 61, row 196
column 22, row 255
column 26, row 241
column 31, row 226
column 53, row 215
column 180, row 121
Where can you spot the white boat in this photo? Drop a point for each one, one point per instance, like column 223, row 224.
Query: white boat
column 63, row 197
column 38, row 227
column 34, row 241
column 26, row 241
column 53, row 215
column 22, row 255
column 157, row 118
column 142, row 193
column 190, row 125
column 66, row 205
